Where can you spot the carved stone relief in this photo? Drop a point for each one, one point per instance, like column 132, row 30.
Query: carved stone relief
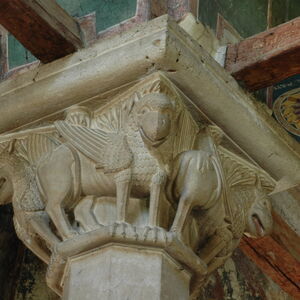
column 140, row 170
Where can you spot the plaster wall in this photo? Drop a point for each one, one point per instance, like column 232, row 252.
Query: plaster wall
column 248, row 17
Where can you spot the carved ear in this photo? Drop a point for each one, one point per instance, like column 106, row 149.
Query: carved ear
column 136, row 97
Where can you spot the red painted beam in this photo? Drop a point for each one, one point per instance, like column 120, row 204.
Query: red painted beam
column 274, row 261
column 266, row 58
column 42, row 26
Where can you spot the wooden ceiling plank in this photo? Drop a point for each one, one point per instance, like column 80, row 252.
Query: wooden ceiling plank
column 266, row 58
column 42, row 26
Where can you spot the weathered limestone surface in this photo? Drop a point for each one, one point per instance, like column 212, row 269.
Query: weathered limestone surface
column 201, row 33
column 114, row 153
column 134, row 273
column 143, row 170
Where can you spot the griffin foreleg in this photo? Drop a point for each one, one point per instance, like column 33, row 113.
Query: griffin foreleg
column 158, row 181
column 123, row 184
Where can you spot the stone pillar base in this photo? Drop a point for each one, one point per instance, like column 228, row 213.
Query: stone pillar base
column 118, row 272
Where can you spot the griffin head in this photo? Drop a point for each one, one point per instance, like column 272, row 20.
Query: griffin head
column 154, row 114
column 259, row 221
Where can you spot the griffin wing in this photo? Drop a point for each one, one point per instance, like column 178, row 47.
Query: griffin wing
column 109, row 150
column 238, row 171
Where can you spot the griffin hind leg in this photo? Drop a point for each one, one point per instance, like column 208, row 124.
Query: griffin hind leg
column 183, row 210
column 56, row 181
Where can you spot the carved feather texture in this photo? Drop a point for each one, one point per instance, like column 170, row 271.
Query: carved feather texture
column 37, row 145
column 186, row 133
column 3, row 145
column 114, row 120
column 109, row 150
column 240, row 172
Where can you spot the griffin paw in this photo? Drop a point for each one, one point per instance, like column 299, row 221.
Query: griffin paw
column 153, row 233
column 178, row 235
column 121, row 228
column 71, row 234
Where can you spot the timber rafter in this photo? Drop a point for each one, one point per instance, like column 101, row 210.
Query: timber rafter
column 266, row 58
column 42, row 26
column 275, row 261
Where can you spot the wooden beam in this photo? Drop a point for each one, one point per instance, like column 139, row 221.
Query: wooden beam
column 42, row 26
column 266, row 58
column 274, row 261
column 3, row 52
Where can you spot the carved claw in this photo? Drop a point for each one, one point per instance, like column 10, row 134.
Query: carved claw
column 114, row 229
column 155, row 233
column 145, row 233
column 123, row 226
column 135, row 234
column 177, row 234
column 155, row 230
column 164, row 233
column 92, row 227
column 71, row 234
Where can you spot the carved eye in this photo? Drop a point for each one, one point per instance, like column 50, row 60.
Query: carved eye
column 144, row 110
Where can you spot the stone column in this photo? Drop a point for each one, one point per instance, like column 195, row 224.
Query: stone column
column 117, row 272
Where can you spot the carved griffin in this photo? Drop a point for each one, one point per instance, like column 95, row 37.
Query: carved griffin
column 147, row 146
column 225, row 197
column 117, row 156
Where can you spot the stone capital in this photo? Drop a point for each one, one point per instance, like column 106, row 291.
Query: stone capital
column 145, row 172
